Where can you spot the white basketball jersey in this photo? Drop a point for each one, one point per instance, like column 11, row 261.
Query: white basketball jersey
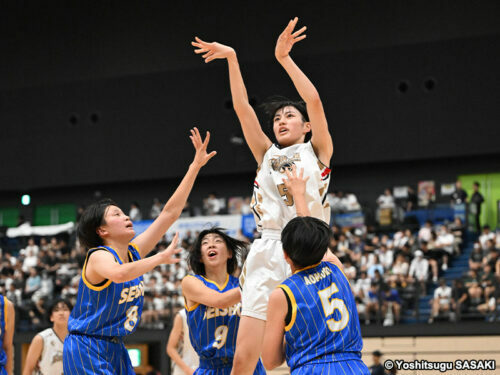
column 52, row 354
column 188, row 353
column 272, row 204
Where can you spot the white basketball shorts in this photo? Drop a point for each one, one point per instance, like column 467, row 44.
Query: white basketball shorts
column 264, row 269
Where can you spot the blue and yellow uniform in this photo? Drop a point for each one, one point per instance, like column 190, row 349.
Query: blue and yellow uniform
column 3, row 324
column 213, row 332
column 322, row 334
column 102, row 315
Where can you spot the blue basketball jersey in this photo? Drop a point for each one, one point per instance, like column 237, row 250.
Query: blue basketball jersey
column 108, row 309
column 3, row 323
column 324, row 325
column 213, row 331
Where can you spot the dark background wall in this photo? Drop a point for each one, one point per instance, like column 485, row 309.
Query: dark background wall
column 100, row 96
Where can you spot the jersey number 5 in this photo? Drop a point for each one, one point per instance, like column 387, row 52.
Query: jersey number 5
column 220, row 336
column 288, row 198
column 329, row 307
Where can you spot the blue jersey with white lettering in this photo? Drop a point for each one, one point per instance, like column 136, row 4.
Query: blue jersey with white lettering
column 213, row 331
column 108, row 309
column 324, row 325
column 3, row 323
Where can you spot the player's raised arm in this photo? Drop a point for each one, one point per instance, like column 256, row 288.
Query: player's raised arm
column 195, row 292
column 102, row 264
column 252, row 130
column 321, row 138
column 147, row 240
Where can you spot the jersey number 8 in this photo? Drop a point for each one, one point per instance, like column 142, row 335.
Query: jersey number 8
column 132, row 318
column 329, row 306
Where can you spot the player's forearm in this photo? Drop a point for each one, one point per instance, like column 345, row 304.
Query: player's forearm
column 9, row 366
column 301, row 205
column 174, row 355
column 238, row 90
column 177, row 201
column 304, row 86
column 229, row 298
column 130, row 271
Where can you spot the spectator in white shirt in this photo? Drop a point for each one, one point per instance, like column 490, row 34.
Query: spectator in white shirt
column 32, row 246
column 30, row 261
column 486, row 236
column 386, row 200
column 425, row 233
column 445, row 241
column 135, row 212
column 441, row 301
column 419, row 270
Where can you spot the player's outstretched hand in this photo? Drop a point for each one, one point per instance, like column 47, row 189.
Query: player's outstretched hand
column 296, row 185
column 211, row 51
column 201, row 157
column 167, row 256
column 288, row 38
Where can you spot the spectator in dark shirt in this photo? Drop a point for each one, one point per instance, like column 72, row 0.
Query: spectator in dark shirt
column 476, row 200
column 377, row 368
column 459, row 196
column 460, row 297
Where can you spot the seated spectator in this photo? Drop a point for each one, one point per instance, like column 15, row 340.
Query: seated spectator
column 30, row 261
column 476, row 257
column 441, row 301
column 33, row 283
column 445, row 241
column 433, row 258
column 372, row 303
column 349, row 270
column 385, row 202
column 487, row 281
column 386, row 256
column 376, row 266
column 349, row 203
column 46, row 288
column 399, row 272
column 212, row 205
column 156, row 208
column 135, row 212
column 38, row 315
column 32, row 246
column 391, row 307
column 457, row 228
column 460, row 297
column 419, row 271
column 485, row 236
column 474, row 290
column 425, row 232
column 490, row 256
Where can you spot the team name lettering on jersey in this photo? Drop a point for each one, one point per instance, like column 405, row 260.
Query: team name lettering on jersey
column 213, row 312
column 129, row 294
column 317, row 276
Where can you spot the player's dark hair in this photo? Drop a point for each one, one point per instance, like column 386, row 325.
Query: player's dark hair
column 234, row 246
column 305, row 240
column 91, row 219
column 275, row 103
column 54, row 303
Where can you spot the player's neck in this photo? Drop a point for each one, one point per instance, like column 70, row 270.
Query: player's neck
column 120, row 247
column 61, row 331
column 217, row 275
